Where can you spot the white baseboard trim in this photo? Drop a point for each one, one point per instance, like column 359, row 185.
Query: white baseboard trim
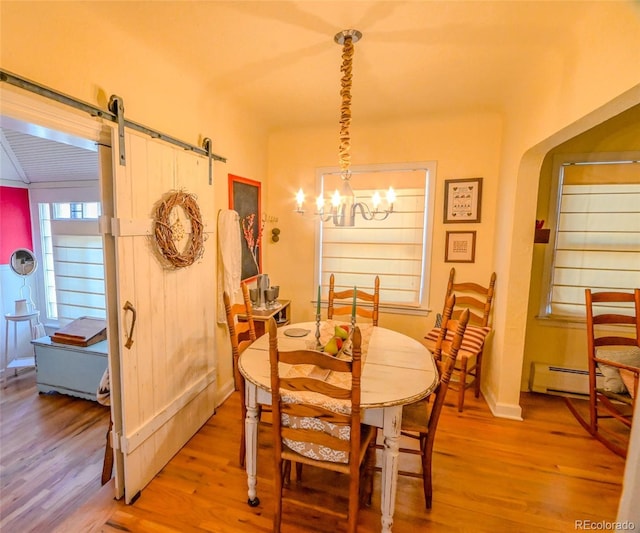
column 224, row 391
column 502, row 410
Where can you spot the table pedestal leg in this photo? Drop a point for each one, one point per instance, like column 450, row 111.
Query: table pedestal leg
column 251, row 439
column 392, row 424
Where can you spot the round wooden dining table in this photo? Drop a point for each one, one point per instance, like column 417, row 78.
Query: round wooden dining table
column 397, row 370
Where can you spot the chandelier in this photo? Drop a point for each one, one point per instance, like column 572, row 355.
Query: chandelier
column 343, row 205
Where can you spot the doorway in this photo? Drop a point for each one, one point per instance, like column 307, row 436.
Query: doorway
column 162, row 319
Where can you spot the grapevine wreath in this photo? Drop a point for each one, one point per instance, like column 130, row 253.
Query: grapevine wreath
column 167, row 234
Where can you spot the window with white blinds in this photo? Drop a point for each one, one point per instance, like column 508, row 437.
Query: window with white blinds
column 396, row 249
column 73, row 264
column 597, row 235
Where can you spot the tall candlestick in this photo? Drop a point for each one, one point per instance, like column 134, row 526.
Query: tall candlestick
column 319, row 295
column 318, row 345
column 353, row 307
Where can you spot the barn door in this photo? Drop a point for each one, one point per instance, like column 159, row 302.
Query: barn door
column 164, row 376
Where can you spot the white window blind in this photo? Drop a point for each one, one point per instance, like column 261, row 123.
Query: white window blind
column 394, row 249
column 79, row 276
column 73, row 267
column 597, row 240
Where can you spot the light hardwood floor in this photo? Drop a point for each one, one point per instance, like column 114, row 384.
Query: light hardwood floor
column 490, row 475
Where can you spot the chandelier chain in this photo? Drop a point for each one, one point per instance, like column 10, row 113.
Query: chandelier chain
column 345, row 108
column 344, row 206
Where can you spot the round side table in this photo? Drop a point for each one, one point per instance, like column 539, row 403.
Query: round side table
column 17, row 362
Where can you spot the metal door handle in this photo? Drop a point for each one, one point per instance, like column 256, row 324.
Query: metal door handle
column 128, row 306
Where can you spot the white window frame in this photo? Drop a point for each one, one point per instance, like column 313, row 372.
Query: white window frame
column 559, row 162
column 84, row 208
column 41, row 193
column 74, row 268
column 429, row 169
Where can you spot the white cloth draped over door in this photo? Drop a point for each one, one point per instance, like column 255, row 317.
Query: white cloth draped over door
column 229, row 258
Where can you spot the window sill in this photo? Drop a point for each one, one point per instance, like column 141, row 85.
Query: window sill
column 557, row 321
column 51, row 325
column 405, row 310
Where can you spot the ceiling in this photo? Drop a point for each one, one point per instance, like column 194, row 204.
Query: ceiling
column 32, row 155
column 278, row 59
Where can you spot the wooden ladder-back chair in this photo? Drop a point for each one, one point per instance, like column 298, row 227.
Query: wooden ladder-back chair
column 478, row 300
column 346, row 301
column 241, row 334
column 420, row 419
column 613, row 348
column 316, row 419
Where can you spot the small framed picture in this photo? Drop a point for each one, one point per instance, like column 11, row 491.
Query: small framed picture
column 462, row 200
column 460, row 247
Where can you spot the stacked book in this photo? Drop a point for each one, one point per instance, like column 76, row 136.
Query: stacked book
column 83, row 331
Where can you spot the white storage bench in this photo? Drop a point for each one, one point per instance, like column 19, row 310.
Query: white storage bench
column 72, row 370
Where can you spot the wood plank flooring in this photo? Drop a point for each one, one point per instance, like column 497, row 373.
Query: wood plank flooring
column 490, row 475
column 51, row 451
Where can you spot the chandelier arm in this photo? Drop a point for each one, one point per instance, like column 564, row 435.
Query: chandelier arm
column 368, row 214
column 365, row 211
column 386, row 214
column 323, row 217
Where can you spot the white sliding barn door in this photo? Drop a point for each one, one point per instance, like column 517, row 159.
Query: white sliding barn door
column 166, row 380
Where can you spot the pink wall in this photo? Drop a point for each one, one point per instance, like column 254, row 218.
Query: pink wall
column 15, row 222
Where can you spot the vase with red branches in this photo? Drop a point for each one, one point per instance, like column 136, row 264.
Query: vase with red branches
column 251, row 236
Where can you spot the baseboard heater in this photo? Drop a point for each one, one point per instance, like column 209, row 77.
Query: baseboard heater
column 551, row 379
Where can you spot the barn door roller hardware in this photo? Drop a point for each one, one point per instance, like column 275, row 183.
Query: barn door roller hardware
column 115, row 113
column 116, row 106
column 206, row 144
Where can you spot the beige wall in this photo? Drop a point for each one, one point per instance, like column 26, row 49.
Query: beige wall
column 294, row 156
column 566, row 94
column 568, row 91
column 566, row 344
column 53, row 45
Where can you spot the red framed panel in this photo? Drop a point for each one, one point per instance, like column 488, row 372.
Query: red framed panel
column 245, row 199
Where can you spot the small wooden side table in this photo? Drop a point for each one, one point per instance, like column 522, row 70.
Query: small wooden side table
column 17, row 362
column 282, row 315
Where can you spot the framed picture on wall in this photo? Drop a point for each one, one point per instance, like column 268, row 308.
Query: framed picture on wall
column 460, row 247
column 462, row 200
column 244, row 198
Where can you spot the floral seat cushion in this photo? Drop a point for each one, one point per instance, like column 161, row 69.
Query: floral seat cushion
column 340, row 379
column 626, row 355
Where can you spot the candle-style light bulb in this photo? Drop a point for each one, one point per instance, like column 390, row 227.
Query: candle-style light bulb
column 336, row 199
column 391, row 196
column 376, row 200
column 300, row 199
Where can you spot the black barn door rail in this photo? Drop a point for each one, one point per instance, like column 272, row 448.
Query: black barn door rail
column 115, row 113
